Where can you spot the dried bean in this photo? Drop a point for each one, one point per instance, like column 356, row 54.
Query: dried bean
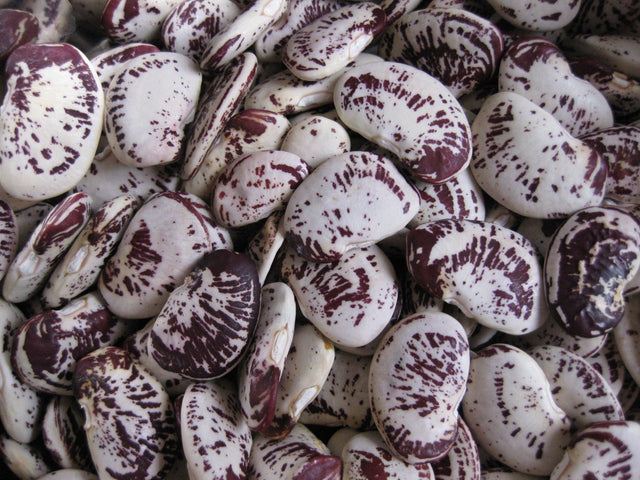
column 261, row 370
column 306, row 368
column 364, row 199
column 457, row 47
column 8, row 237
column 192, row 23
column 529, row 163
column 26, row 461
column 149, row 264
column 138, row 21
column 107, row 64
column 428, row 355
column 299, row 13
column 326, row 45
column 83, row 261
column 206, row 323
column 247, row 132
column 63, row 434
column 143, row 134
column 241, row 33
column 577, row 387
column 343, row 400
column 299, row 455
column 316, row 139
column 590, row 260
column 253, row 186
column 511, row 412
column 408, row 112
column 215, row 437
column 16, row 28
column 123, row 404
column 366, row 456
column 50, row 122
column 491, row 273
column 47, row 244
column 21, row 407
column 223, row 95
column 47, row 347
column 537, row 69
column 601, row 450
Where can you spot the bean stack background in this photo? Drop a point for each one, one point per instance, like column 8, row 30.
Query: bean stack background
column 320, row 239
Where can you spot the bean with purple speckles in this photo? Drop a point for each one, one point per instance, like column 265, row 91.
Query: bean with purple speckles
column 426, row 354
column 590, row 260
column 123, row 404
column 511, row 412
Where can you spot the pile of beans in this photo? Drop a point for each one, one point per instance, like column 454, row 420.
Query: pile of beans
column 320, row 239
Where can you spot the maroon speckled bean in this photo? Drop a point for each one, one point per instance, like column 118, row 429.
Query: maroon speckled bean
column 215, row 436
column 408, row 112
column 46, row 348
column 590, row 260
column 21, row 407
column 215, row 310
column 124, row 403
column 490, row 272
column 351, row 300
column 223, row 95
column 364, row 199
column 29, row 270
column 63, row 434
column 529, row 163
column 127, row 21
column 457, row 47
column 50, row 122
column 299, row 13
column 601, row 450
column 192, row 23
column 426, row 354
column 329, row 43
column 298, row 456
column 149, row 264
column 511, row 412
column 143, row 134
column 254, row 186
column 537, row 69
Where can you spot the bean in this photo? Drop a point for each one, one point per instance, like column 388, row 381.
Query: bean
column 375, row 261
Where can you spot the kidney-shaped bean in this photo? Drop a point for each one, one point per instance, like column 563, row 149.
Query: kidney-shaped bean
column 592, row 257
column 123, row 403
column 409, row 113
column 331, row 41
column 511, row 412
column 458, row 47
column 261, row 369
column 149, row 263
column 142, row 132
column 206, row 324
column 351, row 300
column 491, row 273
column 349, row 201
column 538, row 70
column 47, row 347
column 601, row 450
column 253, row 186
column 529, row 163
column 215, row 437
column 417, row 378
column 50, row 122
